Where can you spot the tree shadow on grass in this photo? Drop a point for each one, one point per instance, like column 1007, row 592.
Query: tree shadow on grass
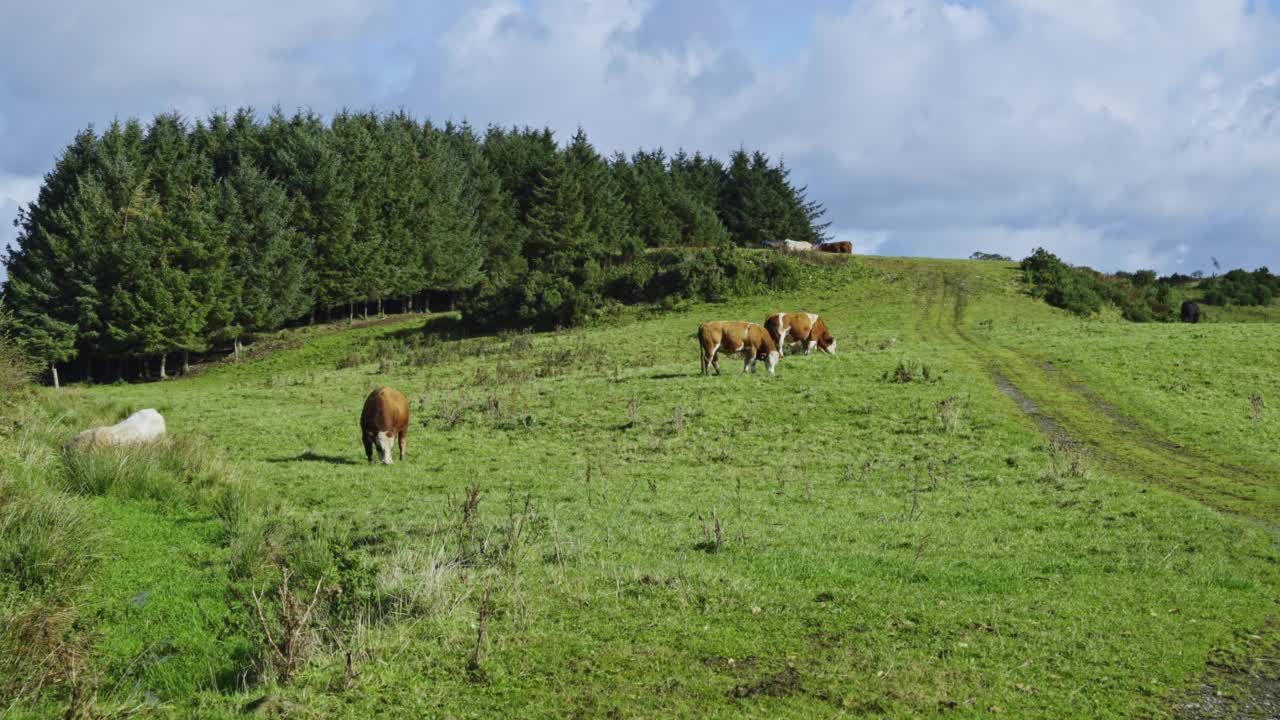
column 308, row 456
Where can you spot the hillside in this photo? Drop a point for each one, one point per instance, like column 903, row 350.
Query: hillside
column 981, row 504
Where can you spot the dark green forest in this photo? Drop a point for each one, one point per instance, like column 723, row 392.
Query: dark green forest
column 176, row 237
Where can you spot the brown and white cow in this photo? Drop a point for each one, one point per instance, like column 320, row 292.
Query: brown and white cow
column 733, row 336
column 805, row 329
column 385, row 418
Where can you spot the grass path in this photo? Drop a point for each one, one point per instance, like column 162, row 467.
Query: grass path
column 1063, row 403
column 1071, row 413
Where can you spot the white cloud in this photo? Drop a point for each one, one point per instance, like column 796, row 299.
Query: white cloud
column 1142, row 131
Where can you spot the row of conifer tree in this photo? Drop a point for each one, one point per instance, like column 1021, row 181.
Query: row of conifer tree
column 178, row 237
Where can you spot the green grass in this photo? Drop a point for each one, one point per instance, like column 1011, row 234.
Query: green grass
column 648, row 542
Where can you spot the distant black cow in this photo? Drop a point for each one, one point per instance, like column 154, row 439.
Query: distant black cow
column 1190, row 312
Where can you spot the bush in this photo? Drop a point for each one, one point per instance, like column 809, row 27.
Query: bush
column 1239, row 287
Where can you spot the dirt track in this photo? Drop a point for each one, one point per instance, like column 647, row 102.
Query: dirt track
column 1065, row 409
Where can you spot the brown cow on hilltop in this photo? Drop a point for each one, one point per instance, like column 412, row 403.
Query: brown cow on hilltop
column 734, row 336
column 839, row 246
column 806, row 329
column 385, row 418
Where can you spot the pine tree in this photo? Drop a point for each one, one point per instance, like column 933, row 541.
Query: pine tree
column 46, row 268
column 299, row 154
column 267, row 258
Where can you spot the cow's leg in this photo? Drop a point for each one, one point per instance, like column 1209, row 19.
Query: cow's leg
column 706, row 362
column 368, row 446
column 401, row 438
column 715, row 360
column 809, row 347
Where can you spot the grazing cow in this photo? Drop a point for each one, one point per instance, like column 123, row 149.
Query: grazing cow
column 805, row 329
column 1190, row 312
column 840, row 246
column 385, row 418
column 795, row 245
column 139, row 428
column 733, row 336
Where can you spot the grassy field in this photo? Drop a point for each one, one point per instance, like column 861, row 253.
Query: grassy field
column 980, row 505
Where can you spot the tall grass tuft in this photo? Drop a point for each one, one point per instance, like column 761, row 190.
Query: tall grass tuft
column 177, row 469
column 46, row 538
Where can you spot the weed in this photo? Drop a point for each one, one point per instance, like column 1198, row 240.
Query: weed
column 351, row 360
column 633, row 412
column 1256, row 407
column 452, row 409
column 950, row 412
column 521, row 344
column 39, row 650
column 288, row 634
column 909, row 371
column 414, row 581
column 712, row 533
column 483, row 613
column 1066, row 460
column 677, row 419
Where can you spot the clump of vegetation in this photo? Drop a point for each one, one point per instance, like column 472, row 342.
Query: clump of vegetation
column 950, row 412
column 179, row 468
column 979, row 255
column 1066, row 461
column 47, row 539
column 910, row 370
column 1140, row 296
column 1240, row 287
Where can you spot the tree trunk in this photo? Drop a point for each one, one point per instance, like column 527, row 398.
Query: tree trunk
column 408, row 303
column 379, row 307
column 164, row 357
column 237, row 343
column 53, row 368
column 426, row 303
column 186, row 362
column 119, row 369
column 351, row 312
column 310, row 322
column 366, row 309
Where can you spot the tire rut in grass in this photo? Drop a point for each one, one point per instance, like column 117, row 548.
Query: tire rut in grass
column 1255, row 685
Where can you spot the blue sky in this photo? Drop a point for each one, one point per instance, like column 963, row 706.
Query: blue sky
column 1126, row 134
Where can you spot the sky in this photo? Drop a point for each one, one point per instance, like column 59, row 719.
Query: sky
column 1121, row 134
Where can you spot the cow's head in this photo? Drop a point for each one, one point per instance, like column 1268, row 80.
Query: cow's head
column 384, row 441
column 826, row 343
column 770, row 357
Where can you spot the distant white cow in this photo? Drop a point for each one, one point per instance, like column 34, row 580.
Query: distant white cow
column 141, row 427
column 788, row 244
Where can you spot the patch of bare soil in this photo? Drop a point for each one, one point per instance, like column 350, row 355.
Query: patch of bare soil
column 1235, row 693
column 1047, row 424
column 780, row 684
